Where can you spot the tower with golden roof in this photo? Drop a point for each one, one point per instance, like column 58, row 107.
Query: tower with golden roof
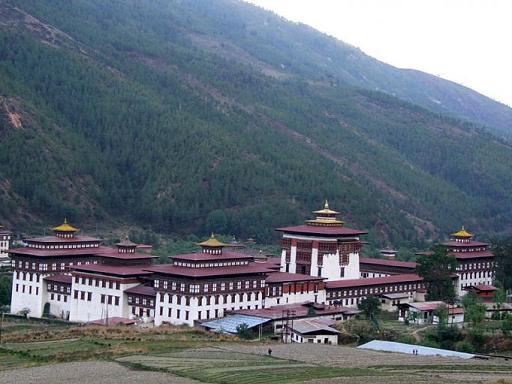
column 322, row 247
column 65, row 230
column 212, row 246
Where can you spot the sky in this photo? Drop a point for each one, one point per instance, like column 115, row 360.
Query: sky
column 466, row 41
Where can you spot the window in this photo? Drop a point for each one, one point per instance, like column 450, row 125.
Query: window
column 116, row 300
column 75, row 294
column 165, row 284
column 214, row 287
column 89, row 296
column 205, row 287
column 82, row 295
column 156, row 284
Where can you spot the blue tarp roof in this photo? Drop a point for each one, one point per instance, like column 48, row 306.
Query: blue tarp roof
column 391, row 346
column 228, row 324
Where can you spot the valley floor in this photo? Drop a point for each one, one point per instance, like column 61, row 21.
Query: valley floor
column 242, row 363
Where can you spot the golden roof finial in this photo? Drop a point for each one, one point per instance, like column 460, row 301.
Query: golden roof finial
column 65, row 227
column 462, row 233
column 212, row 242
column 326, row 205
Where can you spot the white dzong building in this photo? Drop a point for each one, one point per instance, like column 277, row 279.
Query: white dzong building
column 322, row 247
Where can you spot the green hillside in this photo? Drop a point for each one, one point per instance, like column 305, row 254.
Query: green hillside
column 131, row 111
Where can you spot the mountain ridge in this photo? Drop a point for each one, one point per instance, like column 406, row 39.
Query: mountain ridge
column 130, row 122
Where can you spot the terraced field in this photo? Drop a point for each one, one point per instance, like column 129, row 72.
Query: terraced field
column 114, row 355
column 214, row 365
column 248, row 364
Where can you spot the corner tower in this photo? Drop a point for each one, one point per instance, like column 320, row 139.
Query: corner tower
column 322, row 247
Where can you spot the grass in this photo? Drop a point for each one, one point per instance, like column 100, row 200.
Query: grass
column 188, row 353
column 220, row 367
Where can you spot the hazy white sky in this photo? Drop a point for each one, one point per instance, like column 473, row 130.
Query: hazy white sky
column 467, row 41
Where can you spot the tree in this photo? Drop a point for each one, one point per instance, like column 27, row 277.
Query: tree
column 442, row 314
column 437, row 270
column 5, row 290
column 502, row 250
column 243, row 331
column 506, row 325
column 474, row 310
column 370, row 306
column 500, row 296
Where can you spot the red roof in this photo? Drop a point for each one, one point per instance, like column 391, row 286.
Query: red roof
column 405, row 278
column 113, row 253
column 332, row 231
column 114, row 270
column 200, row 256
column 283, row 277
column 55, row 239
column 301, row 310
column 169, row 269
column 272, row 263
column 99, row 251
column 471, row 255
column 66, row 279
column 484, row 287
column 142, row 290
column 428, row 306
column 390, row 263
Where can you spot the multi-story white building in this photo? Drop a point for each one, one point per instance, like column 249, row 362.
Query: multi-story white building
column 475, row 260
column 322, row 247
column 42, row 271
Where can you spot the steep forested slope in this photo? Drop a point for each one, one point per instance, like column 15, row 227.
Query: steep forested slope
column 122, row 111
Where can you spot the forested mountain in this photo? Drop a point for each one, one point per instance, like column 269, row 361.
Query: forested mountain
column 180, row 117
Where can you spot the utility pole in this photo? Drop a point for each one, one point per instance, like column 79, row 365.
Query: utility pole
column 1, row 326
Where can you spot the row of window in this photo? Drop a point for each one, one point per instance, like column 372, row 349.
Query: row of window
column 27, row 276
column 213, row 287
column 366, row 291
column 62, row 246
column 464, row 266
column 28, row 289
column 98, row 282
column 141, row 301
column 206, row 265
column 64, row 297
column 88, row 296
column 58, row 288
column 476, row 275
column 208, row 300
column 213, row 314
column 45, row 267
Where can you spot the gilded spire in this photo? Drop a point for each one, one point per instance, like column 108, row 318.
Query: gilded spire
column 462, row 233
column 65, row 227
column 325, row 217
column 212, row 242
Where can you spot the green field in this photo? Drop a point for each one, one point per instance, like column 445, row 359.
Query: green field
column 199, row 356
